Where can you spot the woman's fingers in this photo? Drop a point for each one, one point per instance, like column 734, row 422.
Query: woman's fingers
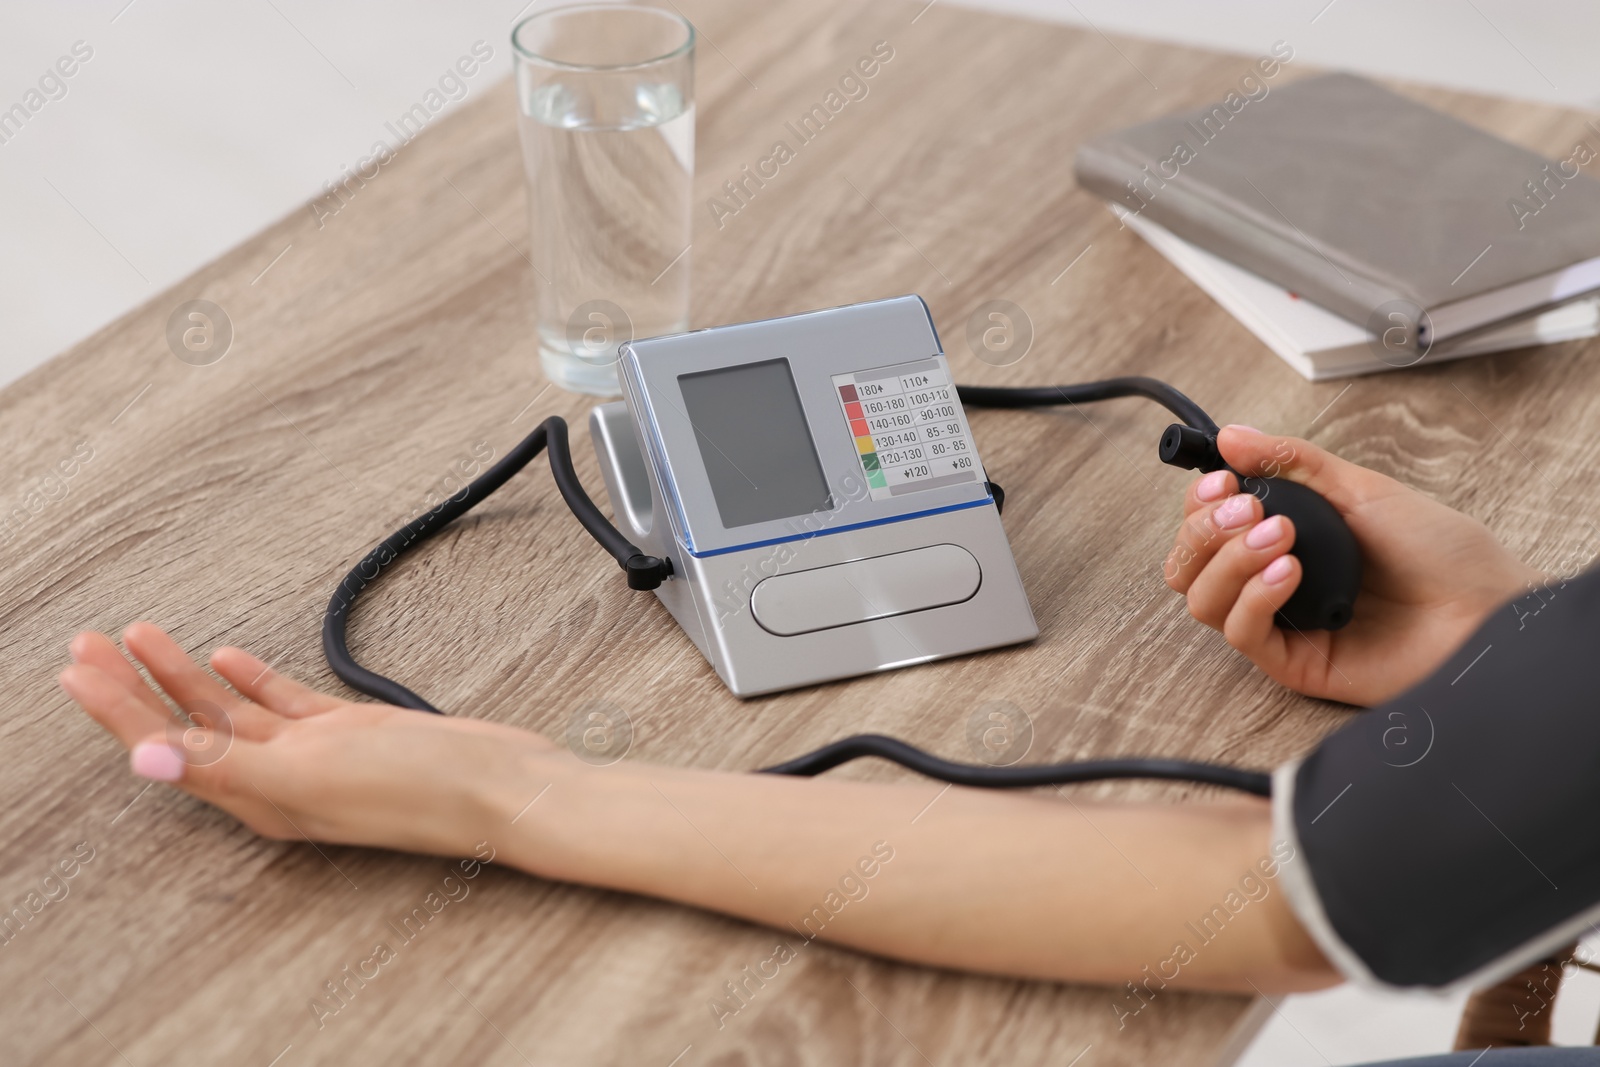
column 202, row 698
column 170, row 665
column 1251, row 625
column 1217, row 588
column 98, row 651
column 1209, row 489
column 1343, row 483
column 161, row 746
column 267, row 687
column 191, row 688
column 115, row 704
column 1204, row 533
column 210, row 764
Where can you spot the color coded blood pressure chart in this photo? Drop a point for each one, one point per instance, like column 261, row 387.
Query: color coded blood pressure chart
column 908, row 427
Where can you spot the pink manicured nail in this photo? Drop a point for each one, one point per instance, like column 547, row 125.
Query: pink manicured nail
column 156, row 761
column 1277, row 570
column 1265, row 534
column 1241, row 426
column 1234, row 511
column 1212, row 486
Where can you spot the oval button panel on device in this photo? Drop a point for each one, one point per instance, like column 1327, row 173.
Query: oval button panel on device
column 865, row 589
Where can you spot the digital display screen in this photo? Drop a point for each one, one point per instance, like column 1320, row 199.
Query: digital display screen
column 755, row 442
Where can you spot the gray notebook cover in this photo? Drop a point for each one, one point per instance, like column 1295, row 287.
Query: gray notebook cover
column 1351, row 195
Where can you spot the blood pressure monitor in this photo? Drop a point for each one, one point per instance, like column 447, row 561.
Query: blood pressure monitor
column 805, row 496
column 816, row 488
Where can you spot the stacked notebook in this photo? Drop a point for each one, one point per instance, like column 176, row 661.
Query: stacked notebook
column 1354, row 230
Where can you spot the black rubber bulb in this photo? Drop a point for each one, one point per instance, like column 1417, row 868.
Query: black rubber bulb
column 1330, row 559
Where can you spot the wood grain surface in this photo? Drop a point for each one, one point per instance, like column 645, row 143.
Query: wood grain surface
column 377, row 350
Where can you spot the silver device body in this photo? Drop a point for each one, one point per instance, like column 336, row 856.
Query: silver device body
column 902, row 559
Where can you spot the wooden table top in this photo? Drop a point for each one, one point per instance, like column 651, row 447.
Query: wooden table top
column 373, row 352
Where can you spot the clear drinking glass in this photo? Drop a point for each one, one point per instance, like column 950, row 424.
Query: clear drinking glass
column 605, row 110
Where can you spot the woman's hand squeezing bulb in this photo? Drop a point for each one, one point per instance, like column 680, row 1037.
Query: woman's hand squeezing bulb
column 1335, row 580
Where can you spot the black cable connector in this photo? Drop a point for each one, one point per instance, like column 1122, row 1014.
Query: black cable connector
column 999, row 496
column 1191, row 449
column 646, row 572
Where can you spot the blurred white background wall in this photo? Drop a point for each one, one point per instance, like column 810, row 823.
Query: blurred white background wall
column 192, row 125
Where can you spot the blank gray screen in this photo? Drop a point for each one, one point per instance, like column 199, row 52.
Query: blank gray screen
column 755, row 442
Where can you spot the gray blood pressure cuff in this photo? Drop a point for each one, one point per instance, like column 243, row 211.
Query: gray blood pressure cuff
column 1452, row 835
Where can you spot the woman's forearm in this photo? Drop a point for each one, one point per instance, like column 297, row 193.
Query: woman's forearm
column 1029, row 885
column 1013, row 884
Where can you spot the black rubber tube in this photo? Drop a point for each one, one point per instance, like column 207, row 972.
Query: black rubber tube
column 1022, row 776
column 551, row 434
column 999, row 396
